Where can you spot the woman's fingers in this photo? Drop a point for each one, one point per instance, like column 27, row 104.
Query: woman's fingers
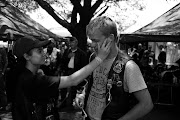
column 104, row 49
column 108, row 44
column 104, row 43
column 98, row 46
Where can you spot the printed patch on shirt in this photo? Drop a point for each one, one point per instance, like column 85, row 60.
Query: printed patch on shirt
column 118, row 66
column 119, row 83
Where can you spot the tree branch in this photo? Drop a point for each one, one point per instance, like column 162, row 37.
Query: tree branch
column 100, row 9
column 51, row 11
column 96, row 5
column 77, row 6
column 103, row 11
column 74, row 17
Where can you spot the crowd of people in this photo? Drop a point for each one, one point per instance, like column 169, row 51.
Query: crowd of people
column 154, row 66
column 46, row 77
column 144, row 57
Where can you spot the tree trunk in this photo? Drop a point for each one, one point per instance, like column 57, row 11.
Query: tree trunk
column 76, row 29
column 79, row 31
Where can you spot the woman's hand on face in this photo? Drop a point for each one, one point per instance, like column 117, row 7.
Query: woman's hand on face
column 104, row 49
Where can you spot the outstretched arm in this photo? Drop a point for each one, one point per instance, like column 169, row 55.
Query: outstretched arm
column 77, row 77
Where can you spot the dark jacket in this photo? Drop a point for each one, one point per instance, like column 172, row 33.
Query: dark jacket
column 80, row 60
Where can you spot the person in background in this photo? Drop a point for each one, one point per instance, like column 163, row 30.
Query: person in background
column 33, row 87
column 73, row 59
column 135, row 56
column 114, row 80
column 160, row 66
column 3, row 68
column 162, row 55
column 140, row 50
column 50, row 66
column 144, row 63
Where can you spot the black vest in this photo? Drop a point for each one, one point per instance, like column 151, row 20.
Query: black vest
column 118, row 103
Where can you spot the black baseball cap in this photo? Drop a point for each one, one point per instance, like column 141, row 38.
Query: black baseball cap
column 26, row 43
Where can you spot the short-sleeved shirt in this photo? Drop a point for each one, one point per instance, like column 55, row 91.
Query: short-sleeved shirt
column 133, row 81
column 33, row 88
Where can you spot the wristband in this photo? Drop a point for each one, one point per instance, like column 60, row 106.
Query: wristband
column 98, row 59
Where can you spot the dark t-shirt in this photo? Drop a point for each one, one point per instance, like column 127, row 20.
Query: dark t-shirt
column 32, row 89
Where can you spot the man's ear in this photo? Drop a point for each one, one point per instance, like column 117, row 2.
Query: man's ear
column 26, row 56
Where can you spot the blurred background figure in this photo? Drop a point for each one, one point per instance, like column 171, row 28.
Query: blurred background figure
column 50, row 67
column 73, row 59
column 140, row 50
column 134, row 54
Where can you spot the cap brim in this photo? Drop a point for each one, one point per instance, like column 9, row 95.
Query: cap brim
column 42, row 43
